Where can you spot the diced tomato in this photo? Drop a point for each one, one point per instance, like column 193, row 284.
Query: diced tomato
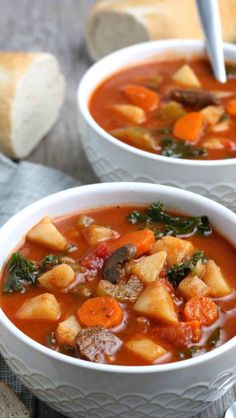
column 95, row 260
column 183, row 334
column 229, row 145
column 165, row 282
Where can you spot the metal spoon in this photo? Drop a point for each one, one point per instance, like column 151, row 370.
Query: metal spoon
column 231, row 411
column 210, row 20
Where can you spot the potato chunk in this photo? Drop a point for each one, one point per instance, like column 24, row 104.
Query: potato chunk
column 221, row 126
column 47, row 235
column 59, row 277
column 199, row 269
column 148, row 268
column 44, row 307
column 67, row 331
column 212, row 114
column 214, row 143
column 145, row 348
column 98, row 233
column 137, row 136
column 156, row 302
column 186, row 76
column 214, row 278
column 192, row 286
column 134, row 114
column 177, row 249
column 172, row 110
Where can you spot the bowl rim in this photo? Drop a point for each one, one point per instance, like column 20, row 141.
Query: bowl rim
column 103, row 187
column 152, row 46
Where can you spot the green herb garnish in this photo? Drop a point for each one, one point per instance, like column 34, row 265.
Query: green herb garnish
column 193, row 351
column 179, row 271
column 51, row 340
column 48, row 263
column 22, row 271
column 224, row 118
column 214, row 339
column 168, row 224
column 171, row 147
column 166, row 130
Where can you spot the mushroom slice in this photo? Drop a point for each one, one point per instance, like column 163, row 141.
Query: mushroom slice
column 113, row 268
column 196, row 99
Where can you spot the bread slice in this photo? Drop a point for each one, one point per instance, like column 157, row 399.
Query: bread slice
column 10, row 405
column 32, row 92
column 113, row 24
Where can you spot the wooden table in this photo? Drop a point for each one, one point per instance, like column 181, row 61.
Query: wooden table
column 57, row 26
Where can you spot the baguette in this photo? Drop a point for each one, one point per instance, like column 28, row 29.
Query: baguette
column 32, row 92
column 10, row 405
column 113, row 24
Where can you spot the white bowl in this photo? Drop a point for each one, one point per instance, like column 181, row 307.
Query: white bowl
column 81, row 389
column 113, row 160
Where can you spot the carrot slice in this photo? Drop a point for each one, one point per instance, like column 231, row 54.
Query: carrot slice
column 142, row 239
column 182, row 334
column 102, row 311
column 231, row 107
column 189, row 127
column 147, row 99
column 202, row 309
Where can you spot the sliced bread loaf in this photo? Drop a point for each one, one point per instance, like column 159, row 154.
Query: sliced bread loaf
column 31, row 92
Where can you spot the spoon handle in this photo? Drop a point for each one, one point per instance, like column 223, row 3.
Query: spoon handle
column 210, row 19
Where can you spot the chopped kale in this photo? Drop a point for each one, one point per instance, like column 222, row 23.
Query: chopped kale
column 179, row 271
column 214, row 339
column 51, row 340
column 67, row 349
column 48, row 263
column 193, row 351
column 171, row 147
column 224, row 118
column 136, row 216
column 170, row 225
column 166, row 130
column 20, row 270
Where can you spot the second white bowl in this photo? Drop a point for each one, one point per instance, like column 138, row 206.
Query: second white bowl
column 113, row 160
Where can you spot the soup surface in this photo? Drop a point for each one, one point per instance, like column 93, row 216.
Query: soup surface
column 170, row 107
column 123, row 285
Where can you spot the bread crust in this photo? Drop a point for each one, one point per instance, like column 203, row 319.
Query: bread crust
column 14, row 68
column 159, row 19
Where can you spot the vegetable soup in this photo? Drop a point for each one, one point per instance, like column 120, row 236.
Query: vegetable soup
column 174, row 108
column 130, row 285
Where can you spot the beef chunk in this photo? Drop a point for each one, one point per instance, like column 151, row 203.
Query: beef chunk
column 194, row 98
column 95, row 343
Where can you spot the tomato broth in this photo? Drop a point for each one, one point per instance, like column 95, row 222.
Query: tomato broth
column 176, row 108
column 89, row 247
